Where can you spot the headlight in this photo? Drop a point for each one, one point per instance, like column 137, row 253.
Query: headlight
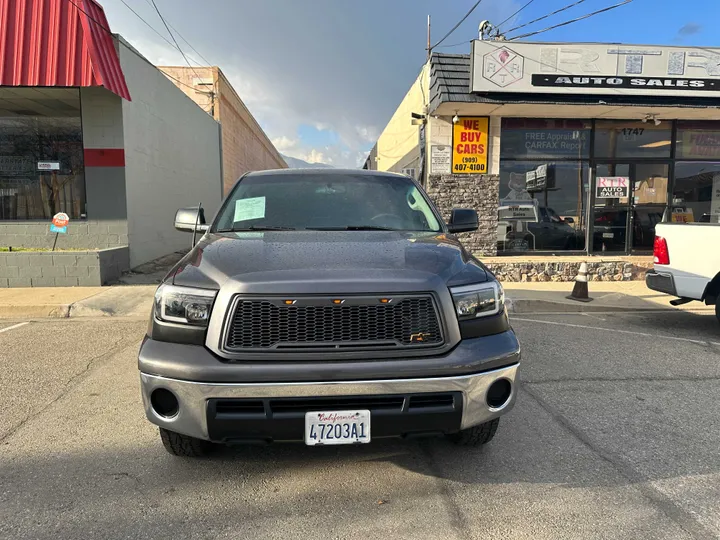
column 184, row 305
column 480, row 300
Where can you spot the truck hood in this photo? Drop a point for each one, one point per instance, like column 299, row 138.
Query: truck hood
column 332, row 256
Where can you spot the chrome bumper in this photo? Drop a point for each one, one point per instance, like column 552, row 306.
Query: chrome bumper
column 192, row 396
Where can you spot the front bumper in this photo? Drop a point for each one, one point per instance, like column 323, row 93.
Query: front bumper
column 197, row 400
column 660, row 282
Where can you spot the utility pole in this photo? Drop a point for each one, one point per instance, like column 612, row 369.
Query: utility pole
column 429, row 52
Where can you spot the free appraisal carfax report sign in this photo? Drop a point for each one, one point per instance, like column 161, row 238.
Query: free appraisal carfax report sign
column 594, row 68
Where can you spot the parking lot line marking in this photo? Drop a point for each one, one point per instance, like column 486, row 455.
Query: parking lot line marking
column 13, row 326
column 654, row 336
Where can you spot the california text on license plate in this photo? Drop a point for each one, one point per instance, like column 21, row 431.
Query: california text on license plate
column 337, row 427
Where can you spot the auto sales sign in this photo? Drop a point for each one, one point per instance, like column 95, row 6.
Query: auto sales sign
column 594, row 68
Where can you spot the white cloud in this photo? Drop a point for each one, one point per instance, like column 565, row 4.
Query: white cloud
column 368, row 133
column 283, row 143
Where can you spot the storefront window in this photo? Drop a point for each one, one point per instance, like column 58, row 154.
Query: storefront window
column 619, row 139
column 529, row 138
column 542, row 206
column 698, row 140
column 696, row 196
column 41, row 154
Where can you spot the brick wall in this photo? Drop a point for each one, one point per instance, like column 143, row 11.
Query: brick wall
column 63, row 269
column 245, row 145
column 479, row 192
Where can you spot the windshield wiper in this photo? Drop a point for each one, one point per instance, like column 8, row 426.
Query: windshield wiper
column 353, row 228
column 256, row 228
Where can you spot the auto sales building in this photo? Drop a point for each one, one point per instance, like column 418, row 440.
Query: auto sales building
column 564, row 148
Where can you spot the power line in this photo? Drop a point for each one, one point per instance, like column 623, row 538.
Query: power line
column 173, row 38
column 457, row 25
column 511, row 16
column 208, row 62
column 454, row 44
column 572, row 21
column 546, row 16
column 150, row 26
column 106, row 29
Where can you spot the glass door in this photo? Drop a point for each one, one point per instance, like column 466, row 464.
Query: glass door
column 650, row 198
column 611, row 192
column 628, row 200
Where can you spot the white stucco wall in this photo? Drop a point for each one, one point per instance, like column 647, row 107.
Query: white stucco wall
column 398, row 144
column 172, row 159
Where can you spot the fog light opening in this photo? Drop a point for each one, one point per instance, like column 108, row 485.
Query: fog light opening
column 499, row 393
column 164, row 403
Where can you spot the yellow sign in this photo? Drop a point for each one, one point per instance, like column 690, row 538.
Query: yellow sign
column 470, row 145
column 683, row 215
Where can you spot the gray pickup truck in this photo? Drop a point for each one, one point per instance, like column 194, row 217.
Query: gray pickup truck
column 329, row 307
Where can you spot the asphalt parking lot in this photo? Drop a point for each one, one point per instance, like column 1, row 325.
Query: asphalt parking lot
column 615, row 434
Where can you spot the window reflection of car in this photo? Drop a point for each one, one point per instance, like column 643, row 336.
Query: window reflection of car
column 548, row 233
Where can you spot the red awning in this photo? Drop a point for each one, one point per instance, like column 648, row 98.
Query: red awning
column 58, row 43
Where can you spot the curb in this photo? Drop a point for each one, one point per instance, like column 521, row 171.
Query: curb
column 526, row 306
column 54, row 311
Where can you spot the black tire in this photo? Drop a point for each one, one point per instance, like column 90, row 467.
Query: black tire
column 183, row 445
column 476, row 435
column 717, row 308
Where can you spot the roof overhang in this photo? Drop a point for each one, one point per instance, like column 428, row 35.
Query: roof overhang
column 569, row 110
column 64, row 43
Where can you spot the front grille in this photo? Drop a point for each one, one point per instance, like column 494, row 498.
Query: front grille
column 228, row 407
column 372, row 403
column 316, row 323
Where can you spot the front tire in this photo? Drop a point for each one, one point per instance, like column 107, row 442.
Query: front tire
column 183, row 445
column 717, row 308
column 476, row 435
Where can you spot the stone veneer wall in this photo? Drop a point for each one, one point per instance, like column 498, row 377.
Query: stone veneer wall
column 63, row 269
column 478, row 191
column 598, row 270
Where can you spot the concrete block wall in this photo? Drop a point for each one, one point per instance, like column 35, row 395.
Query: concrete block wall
column 91, row 234
column 63, row 269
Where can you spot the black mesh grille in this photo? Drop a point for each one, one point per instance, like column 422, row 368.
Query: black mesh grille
column 261, row 324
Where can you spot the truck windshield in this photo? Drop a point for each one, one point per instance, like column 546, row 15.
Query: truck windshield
column 326, row 202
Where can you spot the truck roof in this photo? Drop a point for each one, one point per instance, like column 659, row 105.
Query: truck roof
column 324, row 172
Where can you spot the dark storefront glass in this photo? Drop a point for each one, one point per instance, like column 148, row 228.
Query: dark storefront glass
column 542, row 206
column 698, row 140
column 41, row 154
column 629, row 139
column 530, row 138
column 696, row 195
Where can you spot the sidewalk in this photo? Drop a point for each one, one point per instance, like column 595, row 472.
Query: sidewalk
column 136, row 300
column 64, row 302
column 551, row 297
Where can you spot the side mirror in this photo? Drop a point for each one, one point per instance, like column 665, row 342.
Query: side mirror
column 463, row 220
column 191, row 219
column 569, row 220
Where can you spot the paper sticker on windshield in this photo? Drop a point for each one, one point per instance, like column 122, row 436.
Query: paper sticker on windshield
column 247, row 209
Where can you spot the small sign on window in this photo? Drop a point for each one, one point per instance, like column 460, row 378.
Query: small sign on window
column 612, row 187
column 48, row 165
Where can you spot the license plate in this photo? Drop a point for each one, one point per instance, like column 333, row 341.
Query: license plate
column 608, row 235
column 337, row 427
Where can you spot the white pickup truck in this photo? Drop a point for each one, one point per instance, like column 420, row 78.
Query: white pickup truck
column 687, row 263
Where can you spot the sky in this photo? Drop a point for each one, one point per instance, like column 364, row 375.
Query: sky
column 323, row 77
